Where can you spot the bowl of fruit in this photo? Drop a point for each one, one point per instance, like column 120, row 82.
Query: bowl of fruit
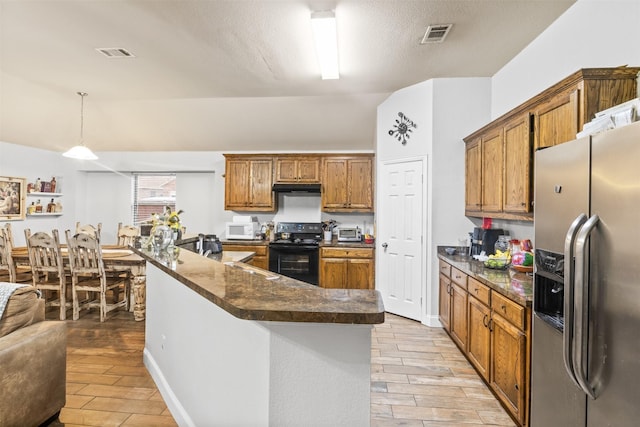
column 498, row 261
column 522, row 262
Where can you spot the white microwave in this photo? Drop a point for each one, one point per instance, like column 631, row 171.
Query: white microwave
column 242, row 230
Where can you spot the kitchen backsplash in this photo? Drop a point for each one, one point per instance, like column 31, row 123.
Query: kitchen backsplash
column 306, row 208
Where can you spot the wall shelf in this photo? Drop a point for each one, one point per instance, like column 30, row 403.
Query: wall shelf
column 46, row 214
column 39, row 194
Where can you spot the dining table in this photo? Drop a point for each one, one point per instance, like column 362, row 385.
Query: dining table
column 118, row 259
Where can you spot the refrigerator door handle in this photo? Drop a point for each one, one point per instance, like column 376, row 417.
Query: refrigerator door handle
column 582, row 305
column 567, row 332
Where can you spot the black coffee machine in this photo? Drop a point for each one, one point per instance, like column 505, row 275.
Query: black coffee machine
column 484, row 240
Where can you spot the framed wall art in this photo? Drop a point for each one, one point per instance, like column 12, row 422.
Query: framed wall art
column 12, row 198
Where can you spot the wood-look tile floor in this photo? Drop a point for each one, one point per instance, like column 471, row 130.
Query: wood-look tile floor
column 107, row 382
column 418, row 378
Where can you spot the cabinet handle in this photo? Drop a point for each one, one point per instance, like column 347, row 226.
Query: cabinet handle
column 449, row 289
column 485, row 322
column 476, row 291
column 504, row 308
column 517, row 387
column 490, row 326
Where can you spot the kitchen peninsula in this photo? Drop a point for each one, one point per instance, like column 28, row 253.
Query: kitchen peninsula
column 232, row 344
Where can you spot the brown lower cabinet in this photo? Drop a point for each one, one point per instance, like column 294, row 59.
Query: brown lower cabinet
column 495, row 337
column 347, row 268
column 260, row 259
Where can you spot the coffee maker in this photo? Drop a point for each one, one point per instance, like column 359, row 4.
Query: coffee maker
column 484, row 240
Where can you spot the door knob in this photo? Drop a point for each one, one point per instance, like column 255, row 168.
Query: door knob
column 385, row 245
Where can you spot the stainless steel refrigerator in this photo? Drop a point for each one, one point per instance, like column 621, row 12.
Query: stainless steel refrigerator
column 586, row 324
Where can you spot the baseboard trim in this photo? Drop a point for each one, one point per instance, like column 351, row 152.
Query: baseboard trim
column 432, row 321
column 177, row 410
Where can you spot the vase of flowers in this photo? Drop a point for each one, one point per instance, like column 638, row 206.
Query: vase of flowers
column 164, row 226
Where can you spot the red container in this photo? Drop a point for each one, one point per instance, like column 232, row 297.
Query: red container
column 486, row 223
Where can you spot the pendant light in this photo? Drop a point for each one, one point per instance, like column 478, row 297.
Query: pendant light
column 81, row 151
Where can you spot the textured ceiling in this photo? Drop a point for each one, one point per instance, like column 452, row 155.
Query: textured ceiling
column 235, row 75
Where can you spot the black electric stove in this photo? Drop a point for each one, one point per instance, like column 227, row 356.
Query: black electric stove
column 295, row 251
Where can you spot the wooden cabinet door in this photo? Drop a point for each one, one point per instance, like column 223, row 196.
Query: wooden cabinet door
column 359, row 183
column 517, row 165
column 286, row 170
column 508, row 349
column 261, row 184
column 479, row 336
column 359, row 274
column 236, row 194
column 334, row 188
column 458, row 322
column 557, row 120
column 473, row 176
column 301, row 170
column 444, row 300
column 309, row 170
column 492, row 172
column 333, row 273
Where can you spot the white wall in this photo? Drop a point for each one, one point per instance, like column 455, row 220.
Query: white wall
column 32, row 163
column 446, row 110
column 215, row 369
column 590, row 34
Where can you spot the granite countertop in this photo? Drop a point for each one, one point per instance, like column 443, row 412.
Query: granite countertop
column 245, row 242
column 251, row 293
column 516, row 286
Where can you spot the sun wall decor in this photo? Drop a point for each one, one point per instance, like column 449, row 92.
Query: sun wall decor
column 403, row 128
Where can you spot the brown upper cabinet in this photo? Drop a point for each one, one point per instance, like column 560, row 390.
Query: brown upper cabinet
column 346, row 180
column 347, row 183
column 499, row 156
column 298, row 169
column 249, row 183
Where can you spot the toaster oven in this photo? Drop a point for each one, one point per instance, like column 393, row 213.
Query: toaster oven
column 349, row 234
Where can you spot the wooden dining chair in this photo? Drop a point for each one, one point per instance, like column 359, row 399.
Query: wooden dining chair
column 88, row 275
column 9, row 233
column 9, row 272
column 47, row 268
column 127, row 234
column 89, row 229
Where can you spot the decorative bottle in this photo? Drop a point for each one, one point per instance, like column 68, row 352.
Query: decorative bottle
column 51, row 207
column 53, row 184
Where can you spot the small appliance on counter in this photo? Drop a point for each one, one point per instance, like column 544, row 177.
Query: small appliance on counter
column 349, row 234
column 484, row 240
column 243, row 227
column 208, row 244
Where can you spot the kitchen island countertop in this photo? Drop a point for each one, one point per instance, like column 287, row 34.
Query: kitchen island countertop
column 516, row 286
column 251, row 293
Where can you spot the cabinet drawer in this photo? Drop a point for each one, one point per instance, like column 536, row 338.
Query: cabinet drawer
column 459, row 277
column 346, row 253
column 258, row 249
column 508, row 309
column 480, row 291
column 445, row 268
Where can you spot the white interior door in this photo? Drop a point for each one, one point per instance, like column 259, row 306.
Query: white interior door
column 400, row 230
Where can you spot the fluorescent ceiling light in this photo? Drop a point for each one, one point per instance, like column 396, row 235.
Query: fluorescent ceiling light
column 323, row 25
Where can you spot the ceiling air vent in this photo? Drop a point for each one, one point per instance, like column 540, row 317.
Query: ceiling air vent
column 115, row 52
column 436, row 33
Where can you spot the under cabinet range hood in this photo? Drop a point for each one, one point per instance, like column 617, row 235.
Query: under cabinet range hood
column 296, row 188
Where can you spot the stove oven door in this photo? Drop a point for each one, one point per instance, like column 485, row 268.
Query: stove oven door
column 296, row 261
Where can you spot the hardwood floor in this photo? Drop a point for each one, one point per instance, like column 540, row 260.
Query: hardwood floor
column 418, row 378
